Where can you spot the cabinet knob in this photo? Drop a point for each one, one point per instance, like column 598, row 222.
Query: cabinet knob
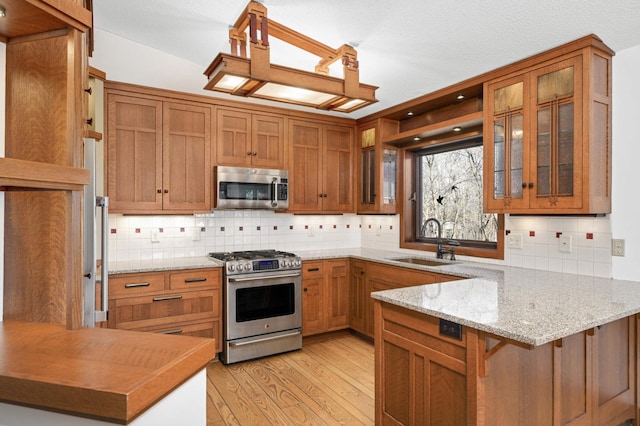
column 159, row 191
column 305, row 290
column 530, row 184
column 249, row 153
column 166, row 191
column 524, row 184
column 89, row 121
column 255, row 153
column 89, row 90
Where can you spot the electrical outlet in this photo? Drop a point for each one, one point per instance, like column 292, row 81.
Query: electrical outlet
column 195, row 236
column 155, row 236
column 617, row 247
column 565, row 243
column 514, row 241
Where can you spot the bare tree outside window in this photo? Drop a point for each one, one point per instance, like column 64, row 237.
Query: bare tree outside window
column 450, row 182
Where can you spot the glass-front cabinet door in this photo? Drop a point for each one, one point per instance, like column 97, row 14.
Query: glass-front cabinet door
column 506, row 152
column 378, row 165
column 557, row 136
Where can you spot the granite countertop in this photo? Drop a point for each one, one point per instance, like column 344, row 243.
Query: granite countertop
column 153, row 265
column 526, row 305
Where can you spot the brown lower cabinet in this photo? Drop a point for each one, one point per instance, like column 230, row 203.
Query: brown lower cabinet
column 367, row 277
column 187, row 302
column 325, row 296
column 423, row 377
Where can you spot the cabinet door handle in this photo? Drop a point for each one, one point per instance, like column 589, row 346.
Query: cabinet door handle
column 89, row 90
column 176, row 331
column 161, row 299
column 195, row 280
column 133, row 285
column 313, row 269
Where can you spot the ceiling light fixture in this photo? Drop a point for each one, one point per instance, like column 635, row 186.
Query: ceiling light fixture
column 457, row 129
column 460, row 97
column 254, row 76
column 410, row 113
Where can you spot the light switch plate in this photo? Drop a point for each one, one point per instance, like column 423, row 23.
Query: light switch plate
column 514, row 241
column 565, row 243
column 617, row 247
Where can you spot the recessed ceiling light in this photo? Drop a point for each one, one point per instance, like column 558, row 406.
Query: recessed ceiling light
column 410, row 113
column 416, row 138
column 460, row 97
column 457, row 129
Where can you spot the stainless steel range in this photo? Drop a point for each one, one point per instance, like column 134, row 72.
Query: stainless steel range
column 262, row 303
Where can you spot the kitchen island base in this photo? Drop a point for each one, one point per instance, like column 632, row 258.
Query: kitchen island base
column 424, row 377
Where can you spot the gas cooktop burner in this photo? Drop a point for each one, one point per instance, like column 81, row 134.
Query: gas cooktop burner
column 244, row 262
column 250, row 255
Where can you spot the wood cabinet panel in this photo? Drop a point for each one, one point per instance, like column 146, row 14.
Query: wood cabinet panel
column 547, row 131
column 158, row 155
column 357, row 296
column 195, row 279
column 187, row 302
column 321, row 163
column 423, row 377
column 250, row 140
column 325, row 296
column 135, row 284
column 134, row 153
column 45, row 78
column 186, row 166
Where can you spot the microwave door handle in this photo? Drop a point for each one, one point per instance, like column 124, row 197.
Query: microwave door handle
column 274, row 194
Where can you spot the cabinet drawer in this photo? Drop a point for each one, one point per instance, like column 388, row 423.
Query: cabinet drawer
column 135, row 284
column 186, row 280
column 209, row 329
column 312, row 269
column 168, row 308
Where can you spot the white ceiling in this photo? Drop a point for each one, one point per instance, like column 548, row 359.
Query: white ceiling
column 406, row 47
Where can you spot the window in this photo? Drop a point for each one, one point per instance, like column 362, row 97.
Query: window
column 448, row 187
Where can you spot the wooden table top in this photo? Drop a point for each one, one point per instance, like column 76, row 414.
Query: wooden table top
column 105, row 374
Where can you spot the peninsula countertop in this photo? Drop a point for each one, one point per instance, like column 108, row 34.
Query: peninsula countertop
column 526, row 305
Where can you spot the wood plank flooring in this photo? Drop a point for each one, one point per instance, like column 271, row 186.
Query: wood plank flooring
column 330, row 381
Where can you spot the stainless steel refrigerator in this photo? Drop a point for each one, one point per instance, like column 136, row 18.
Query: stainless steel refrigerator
column 96, row 240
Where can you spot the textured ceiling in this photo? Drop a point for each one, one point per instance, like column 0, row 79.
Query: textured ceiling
column 406, row 47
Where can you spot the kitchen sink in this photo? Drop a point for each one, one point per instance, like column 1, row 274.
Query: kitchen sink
column 423, row 261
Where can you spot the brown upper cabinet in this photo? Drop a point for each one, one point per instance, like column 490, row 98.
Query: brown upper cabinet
column 250, row 140
column 158, row 155
column 321, row 167
column 377, row 170
column 547, row 134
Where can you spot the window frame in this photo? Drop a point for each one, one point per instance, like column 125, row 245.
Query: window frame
column 408, row 170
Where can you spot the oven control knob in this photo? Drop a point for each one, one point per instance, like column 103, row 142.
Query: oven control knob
column 247, row 267
column 285, row 264
column 231, row 267
column 296, row 263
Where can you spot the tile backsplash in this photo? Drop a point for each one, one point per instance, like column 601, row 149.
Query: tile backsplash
column 148, row 237
column 155, row 237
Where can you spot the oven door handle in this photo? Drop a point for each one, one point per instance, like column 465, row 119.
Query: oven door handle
column 265, row 339
column 271, row 277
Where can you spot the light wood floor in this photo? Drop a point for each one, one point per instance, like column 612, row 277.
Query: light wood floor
column 330, row 381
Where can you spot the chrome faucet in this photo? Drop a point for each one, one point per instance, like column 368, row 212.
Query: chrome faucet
column 439, row 250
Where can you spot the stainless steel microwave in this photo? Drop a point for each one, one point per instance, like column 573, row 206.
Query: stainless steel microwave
column 250, row 188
